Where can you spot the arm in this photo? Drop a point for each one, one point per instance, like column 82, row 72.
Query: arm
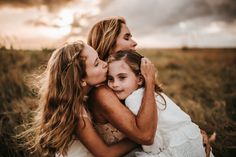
column 140, row 128
column 91, row 140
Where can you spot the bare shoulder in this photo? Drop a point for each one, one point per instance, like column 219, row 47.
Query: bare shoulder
column 102, row 92
column 104, row 97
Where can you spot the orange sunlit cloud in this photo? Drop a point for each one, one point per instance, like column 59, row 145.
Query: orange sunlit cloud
column 31, row 24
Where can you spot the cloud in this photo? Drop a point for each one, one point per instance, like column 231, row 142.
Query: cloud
column 52, row 5
column 184, row 20
column 223, row 8
column 168, row 12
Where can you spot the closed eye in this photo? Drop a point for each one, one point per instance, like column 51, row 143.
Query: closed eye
column 110, row 78
column 122, row 78
column 96, row 63
column 127, row 36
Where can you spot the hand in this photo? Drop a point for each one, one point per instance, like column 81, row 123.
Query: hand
column 148, row 70
column 207, row 141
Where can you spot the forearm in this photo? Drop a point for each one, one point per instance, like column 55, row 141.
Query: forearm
column 92, row 141
column 137, row 128
column 147, row 116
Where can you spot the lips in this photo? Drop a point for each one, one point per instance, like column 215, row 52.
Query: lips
column 118, row 91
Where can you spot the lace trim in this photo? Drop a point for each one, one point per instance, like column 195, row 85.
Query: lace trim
column 109, row 134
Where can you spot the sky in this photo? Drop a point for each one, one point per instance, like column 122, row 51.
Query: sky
column 37, row 24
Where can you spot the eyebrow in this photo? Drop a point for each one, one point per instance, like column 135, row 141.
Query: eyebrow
column 128, row 34
column 120, row 74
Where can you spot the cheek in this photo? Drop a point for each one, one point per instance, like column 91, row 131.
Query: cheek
column 121, row 45
column 109, row 84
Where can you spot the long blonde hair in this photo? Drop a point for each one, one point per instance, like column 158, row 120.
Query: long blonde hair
column 60, row 101
column 103, row 35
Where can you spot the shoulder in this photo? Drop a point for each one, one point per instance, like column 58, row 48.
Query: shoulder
column 103, row 96
column 135, row 97
column 136, row 94
column 102, row 91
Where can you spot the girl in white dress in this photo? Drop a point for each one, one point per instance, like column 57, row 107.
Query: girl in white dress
column 176, row 134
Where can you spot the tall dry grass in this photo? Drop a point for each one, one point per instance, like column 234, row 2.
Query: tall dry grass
column 17, row 100
column 201, row 82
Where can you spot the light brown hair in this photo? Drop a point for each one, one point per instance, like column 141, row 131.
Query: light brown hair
column 60, row 101
column 103, row 35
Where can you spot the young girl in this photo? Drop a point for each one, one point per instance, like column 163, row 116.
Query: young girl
column 176, row 134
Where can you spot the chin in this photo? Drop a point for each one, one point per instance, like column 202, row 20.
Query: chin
column 121, row 97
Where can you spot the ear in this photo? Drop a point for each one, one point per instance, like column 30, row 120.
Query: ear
column 140, row 80
column 83, row 83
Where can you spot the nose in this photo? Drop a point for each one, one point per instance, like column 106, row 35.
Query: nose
column 114, row 84
column 134, row 43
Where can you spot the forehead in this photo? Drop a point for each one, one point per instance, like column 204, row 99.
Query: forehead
column 124, row 29
column 89, row 53
column 119, row 66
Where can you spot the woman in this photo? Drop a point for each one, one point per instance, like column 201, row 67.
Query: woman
column 63, row 124
column 109, row 36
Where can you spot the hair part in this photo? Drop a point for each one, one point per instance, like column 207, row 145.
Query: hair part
column 103, row 35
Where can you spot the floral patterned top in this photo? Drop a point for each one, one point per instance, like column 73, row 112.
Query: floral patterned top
column 109, row 133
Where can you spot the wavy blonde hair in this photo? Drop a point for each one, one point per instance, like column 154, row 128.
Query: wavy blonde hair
column 103, row 35
column 60, row 101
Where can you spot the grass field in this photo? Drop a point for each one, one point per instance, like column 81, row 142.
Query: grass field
column 201, row 81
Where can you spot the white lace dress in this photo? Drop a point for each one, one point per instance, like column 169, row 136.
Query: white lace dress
column 176, row 135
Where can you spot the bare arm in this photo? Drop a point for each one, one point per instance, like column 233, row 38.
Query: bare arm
column 91, row 140
column 140, row 128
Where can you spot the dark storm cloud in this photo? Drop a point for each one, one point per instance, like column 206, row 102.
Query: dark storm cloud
column 223, row 8
column 51, row 4
column 155, row 14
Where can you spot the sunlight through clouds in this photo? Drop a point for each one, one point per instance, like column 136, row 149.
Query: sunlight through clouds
column 154, row 23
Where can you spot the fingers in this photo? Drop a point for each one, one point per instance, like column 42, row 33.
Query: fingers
column 206, row 142
column 145, row 61
column 212, row 137
column 147, row 67
column 148, row 70
column 208, row 150
column 205, row 138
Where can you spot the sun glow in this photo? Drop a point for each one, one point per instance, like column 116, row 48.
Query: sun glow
column 65, row 17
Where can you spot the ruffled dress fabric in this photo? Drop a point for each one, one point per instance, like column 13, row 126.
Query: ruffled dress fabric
column 176, row 135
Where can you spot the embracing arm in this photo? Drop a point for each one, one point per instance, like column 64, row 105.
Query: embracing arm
column 92, row 141
column 140, row 128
